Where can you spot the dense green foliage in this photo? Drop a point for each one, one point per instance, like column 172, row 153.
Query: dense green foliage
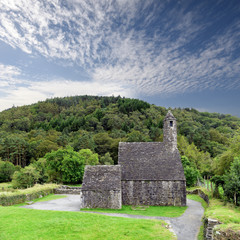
column 67, row 165
column 25, row 178
column 209, row 140
column 232, row 182
column 190, row 171
column 18, row 196
column 6, row 171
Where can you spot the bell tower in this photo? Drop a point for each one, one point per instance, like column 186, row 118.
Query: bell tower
column 170, row 131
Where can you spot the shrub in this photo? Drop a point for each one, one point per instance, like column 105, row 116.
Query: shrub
column 106, row 159
column 6, row 171
column 21, row 196
column 40, row 166
column 232, row 182
column 191, row 173
column 67, row 165
column 26, row 177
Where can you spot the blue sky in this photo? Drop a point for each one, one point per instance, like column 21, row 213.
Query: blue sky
column 170, row 53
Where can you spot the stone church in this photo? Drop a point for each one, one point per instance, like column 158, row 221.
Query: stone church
column 148, row 173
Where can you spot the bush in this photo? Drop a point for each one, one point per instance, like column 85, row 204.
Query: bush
column 21, row 196
column 106, row 159
column 6, row 171
column 67, row 165
column 191, row 173
column 26, row 177
column 40, row 166
column 232, row 182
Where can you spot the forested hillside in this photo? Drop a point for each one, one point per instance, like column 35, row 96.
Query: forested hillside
column 209, row 140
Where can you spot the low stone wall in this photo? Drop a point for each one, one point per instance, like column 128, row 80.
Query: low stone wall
column 209, row 225
column 211, row 233
column 154, row 193
column 68, row 190
column 226, row 235
column 200, row 193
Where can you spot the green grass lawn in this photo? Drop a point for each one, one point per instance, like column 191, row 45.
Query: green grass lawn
column 28, row 224
column 227, row 214
column 43, row 199
column 163, row 211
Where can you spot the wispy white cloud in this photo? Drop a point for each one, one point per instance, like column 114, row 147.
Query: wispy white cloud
column 102, row 37
column 33, row 92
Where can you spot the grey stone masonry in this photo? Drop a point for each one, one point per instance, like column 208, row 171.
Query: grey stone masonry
column 64, row 189
column 154, row 193
column 170, row 132
column 152, row 172
column 101, row 187
column 209, row 225
column 149, row 173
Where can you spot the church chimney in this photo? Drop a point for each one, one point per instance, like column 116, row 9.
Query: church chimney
column 170, row 131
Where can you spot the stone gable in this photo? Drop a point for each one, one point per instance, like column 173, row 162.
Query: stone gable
column 102, row 187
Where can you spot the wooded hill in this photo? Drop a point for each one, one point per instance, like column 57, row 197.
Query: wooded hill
column 209, row 140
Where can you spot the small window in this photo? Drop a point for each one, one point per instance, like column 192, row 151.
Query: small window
column 171, row 123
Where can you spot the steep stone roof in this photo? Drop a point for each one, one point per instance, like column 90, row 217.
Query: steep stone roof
column 169, row 116
column 102, row 178
column 149, row 161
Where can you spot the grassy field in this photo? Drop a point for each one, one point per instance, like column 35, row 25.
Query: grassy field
column 227, row 214
column 163, row 211
column 43, row 199
column 27, row 224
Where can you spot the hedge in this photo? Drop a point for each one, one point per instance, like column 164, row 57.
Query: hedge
column 21, row 196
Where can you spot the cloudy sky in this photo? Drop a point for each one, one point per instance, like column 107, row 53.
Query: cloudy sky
column 171, row 53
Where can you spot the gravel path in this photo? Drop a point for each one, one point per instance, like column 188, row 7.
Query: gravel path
column 186, row 227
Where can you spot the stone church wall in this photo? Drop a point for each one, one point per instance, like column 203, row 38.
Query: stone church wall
column 154, row 193
column 101, row 199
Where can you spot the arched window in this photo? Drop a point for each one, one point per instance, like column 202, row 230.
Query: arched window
column 171, row 123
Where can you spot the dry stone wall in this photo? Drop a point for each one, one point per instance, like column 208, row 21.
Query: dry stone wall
column 64, row 189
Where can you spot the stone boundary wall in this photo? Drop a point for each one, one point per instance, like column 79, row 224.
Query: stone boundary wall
column 201, row 194
column 209, row 225
column 68, row 190
column 211, row 233
column 226, row 235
